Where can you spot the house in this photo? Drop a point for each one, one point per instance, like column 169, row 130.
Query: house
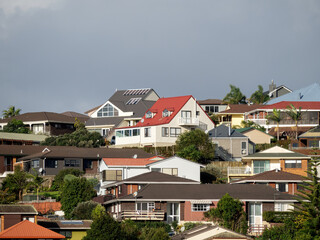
column 71, row 229
column 256, row 136
column 12, row 214
column 124, row 108
column 21, row 138
column 231, row 145
column 280, row 180
column 188, row 202
column 209, row 231
column 309, row 139
column 48, row 123
column 235, row 114
column 29, row 230
column 121, row 169
column 212, row 105
column 164, row 122
column 276, row 92
column 309, row 93
column 270, row 159
column 310, row 115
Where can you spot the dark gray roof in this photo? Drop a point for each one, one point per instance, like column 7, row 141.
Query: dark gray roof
column 223, row 131
column 17, row 209
column 263, row 155
column 104, row 121
column 65, row 224
column 181, row 192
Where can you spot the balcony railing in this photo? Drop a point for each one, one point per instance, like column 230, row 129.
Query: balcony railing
column 189, row 121
column 259, row 121
column 256, row 229
column 239, row 171
column 157, row 215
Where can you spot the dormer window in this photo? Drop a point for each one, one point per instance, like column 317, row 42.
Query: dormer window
column 165, row 113
column 149, row 114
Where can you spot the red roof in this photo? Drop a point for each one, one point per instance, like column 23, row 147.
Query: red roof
column 27, row 230
column 129, row 161
column 172, row 104
column 285, row 104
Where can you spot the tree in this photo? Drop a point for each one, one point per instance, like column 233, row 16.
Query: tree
column 36, row 182
column 6, row 197
column 235, row 96
column 104, row 227
column 16, row 126
column 230, row 214
column 276, row 117
column 11, row 112
column 196, row 146
column 248, row 123
column 59, row 178
column 258, row 97
column 154, row 234
column 17, row 182
column 295, row 115
column 83, row 210
column 215, row 119
column 73, row 192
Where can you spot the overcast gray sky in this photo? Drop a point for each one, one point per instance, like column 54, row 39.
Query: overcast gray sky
column 71, row 55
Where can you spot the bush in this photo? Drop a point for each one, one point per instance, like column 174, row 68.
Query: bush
column 83, row 210
column 276, row 217
column 151, row 224
column 190, row 225
column 59, row 178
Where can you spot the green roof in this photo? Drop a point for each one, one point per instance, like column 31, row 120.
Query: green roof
column 22, row 136
column 242, row 130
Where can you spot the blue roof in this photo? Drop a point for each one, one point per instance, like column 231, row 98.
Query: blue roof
column 310, row 93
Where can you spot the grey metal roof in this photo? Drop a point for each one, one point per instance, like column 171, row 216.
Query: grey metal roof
column 23, row 136
column 17, row 209
column 115, row 121
column 223, row 131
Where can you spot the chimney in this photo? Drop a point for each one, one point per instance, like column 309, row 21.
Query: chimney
column 272, row 86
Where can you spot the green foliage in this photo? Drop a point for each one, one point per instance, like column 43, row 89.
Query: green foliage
column 211, row 174
column 248, row 123
column 11, row 112
column 73, row 192
column 83, row 210
column 276, row 217
column 104, row 227
column 229, row 213
column 154, row 234
column 190, row 225
column 258, row 97
column 276, row 117
column 69, row 177
column 152, row 224
column 17, row 182
column 59, row 178
column 15, row 126
column 235, row 96
column 130, row 230
column 6, row 197
column 215, row 118
column 79, row 138
column 295, row 115
column 98, row 212
column 167, row 151
column 196, row 146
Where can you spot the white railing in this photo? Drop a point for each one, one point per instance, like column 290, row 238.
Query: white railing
column 239, row 170
column 188, row 121
column 143, row 215
column 259, row 121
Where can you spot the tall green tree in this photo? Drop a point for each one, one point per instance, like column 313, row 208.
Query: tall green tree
column 229, row 213
column 235, row 96
column 295, row 115
column 215, row 118
column 73, row 192
column 58, row 180
column 195, row 145
column 258, row 97
column 11, row 112
column 36, row 182
column 276, row 117
column 83, row 211
column 16, row 126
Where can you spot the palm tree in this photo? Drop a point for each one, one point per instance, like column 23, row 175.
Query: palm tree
column 258, row 97
column 295, row 115
column 36, row 182
column 11, row 112
column 276, row 117
column 235, row 96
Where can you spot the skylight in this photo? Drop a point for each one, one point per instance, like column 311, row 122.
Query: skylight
column 142, row 91
column 133, row 101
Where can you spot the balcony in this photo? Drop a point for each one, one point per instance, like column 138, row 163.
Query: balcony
column 259, row 121
column 157, row 215
column 239, row 171
column 188, row 121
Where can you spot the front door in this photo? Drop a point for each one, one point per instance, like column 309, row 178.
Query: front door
column 173, row 212
column 255, row 215
column 186, row 116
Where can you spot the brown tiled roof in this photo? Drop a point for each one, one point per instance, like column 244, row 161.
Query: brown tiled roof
column 309, row 152
column 288, row 131
column 240, row 108
column 17, row 209
column 76, row 115
column 210, row 102
column 182, row 192
column 44, row 207
column 65, row 224
column 19, row 150
column 272, row 176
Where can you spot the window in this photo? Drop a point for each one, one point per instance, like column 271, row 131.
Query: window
column 186, row 116
column 51, row 163
column 200, row 207
column 283, row 207
column 155, row 169
column 216, row 109
column 67, row 234
column 127, row 133
column 147, row 132
column 87, row 163
column 165, row 132
column 170, row 171
column 112, row 175
column 119, row 133
column 72, row 162
column 165, row 113
column 35, row 163
column 119, row 189
column 136, row 132
column 175, row 132
column 292, row 164
column 149, row 114
column 146, row 206
column 282, row 187
column 261, row 166
column 106, row 111
column 243, row 147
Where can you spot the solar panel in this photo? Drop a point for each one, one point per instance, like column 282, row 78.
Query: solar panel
column 74, row 222
column 133, row 101
column 141, row 91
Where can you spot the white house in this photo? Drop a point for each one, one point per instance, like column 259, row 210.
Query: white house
column 164, row 122
column 117, row 169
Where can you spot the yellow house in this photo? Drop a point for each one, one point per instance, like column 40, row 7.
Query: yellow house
column 235, row 114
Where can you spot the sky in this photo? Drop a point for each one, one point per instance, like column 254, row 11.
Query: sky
column 72, row 55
